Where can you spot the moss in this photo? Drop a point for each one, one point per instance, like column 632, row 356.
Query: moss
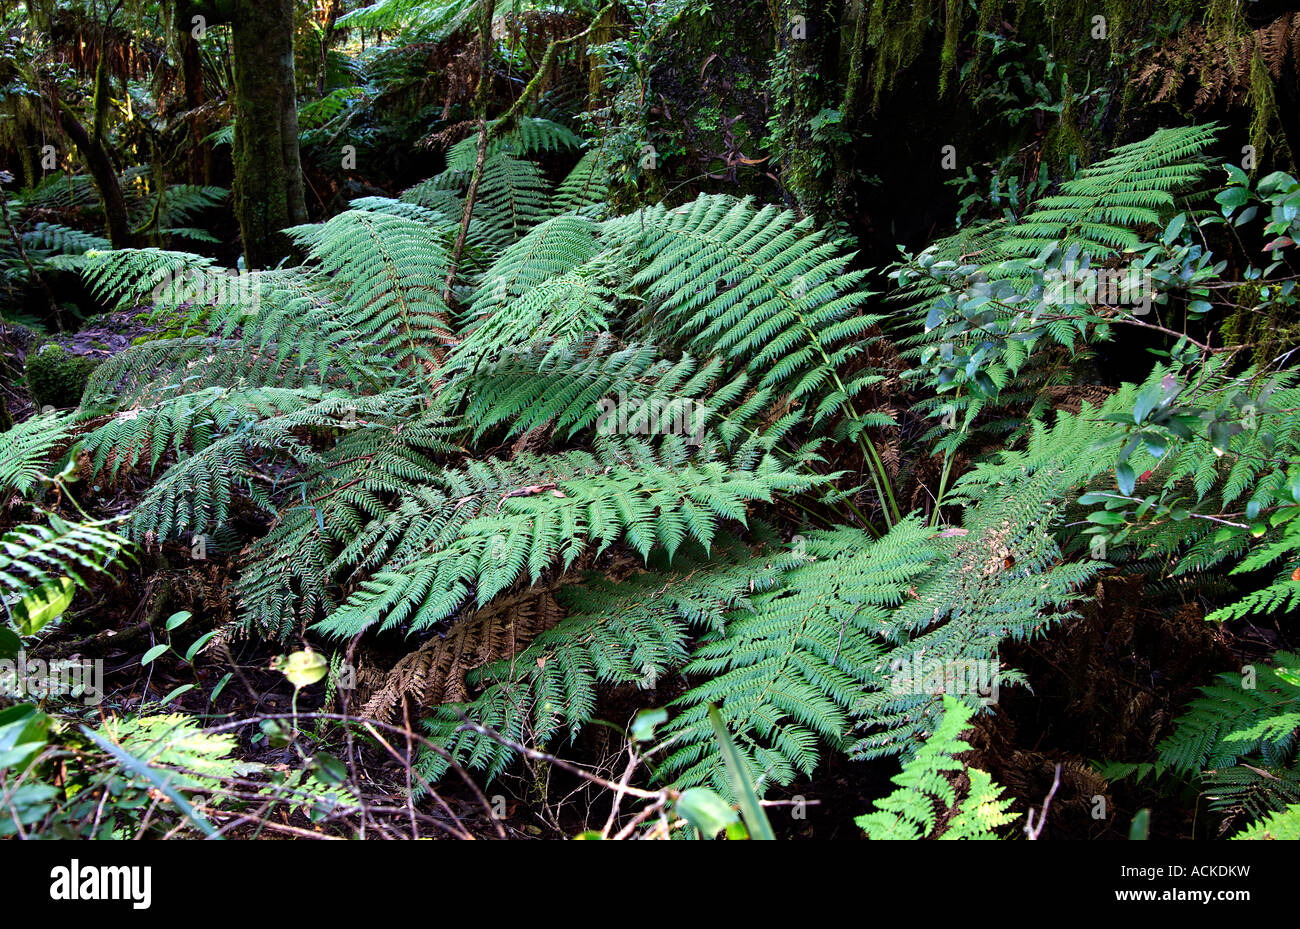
column 1261, row 321
column 57, row 378
column 1066, row 139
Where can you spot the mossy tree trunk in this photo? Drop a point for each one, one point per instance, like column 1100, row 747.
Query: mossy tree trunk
column 850, row 110
column 807, row 50
column 268, row 172
column 103, row 173
column 91, row 144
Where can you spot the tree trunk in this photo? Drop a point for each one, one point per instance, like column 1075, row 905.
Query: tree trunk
column 480, row 112
column 191, row 61
column 268, row 173
column 104, row 175
column 326, row 33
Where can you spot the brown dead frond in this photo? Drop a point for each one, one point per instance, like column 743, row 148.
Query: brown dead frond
column 1203, row 68
column 435, row 672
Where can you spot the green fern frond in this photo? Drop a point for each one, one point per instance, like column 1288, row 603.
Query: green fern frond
column 779, row 298
column 550, row 249
column 926, row 792
column 38, row 554
column 585, row 188
column 790, row 670
column 528, row 529
column 62, row 239
column 634, row 631
column 125, row 277
column 184, row 200
column 528, row 135
column 25, row 450
column 1101, row 208
column 1281, row 824
column 1231, row 720
column 389, row 272
column 512, row 197
column 195, row 495
column 558, row 312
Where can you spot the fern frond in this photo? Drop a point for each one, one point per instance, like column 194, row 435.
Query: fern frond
column 528, row 528
column 62, row 239
column 512, row 197
column 926, row 792
column 389, row 272
column 1280, row 824
column 1102, row 206
column 550, row 249
column 528, row 135
column 792, row 668
column 1231, row 720
column 585, row 188
column 37, row 554
column 633, row 631
column 25, row 450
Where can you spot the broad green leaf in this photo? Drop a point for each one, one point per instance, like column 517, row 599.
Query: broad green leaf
column 705, row 810
column 41, row 606
column 643, row 726
column 302, row 668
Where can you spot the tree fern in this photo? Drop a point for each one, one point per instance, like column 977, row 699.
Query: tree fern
column 799, row 663
column 777, row 299
column 525, row 531
column 790, row 670
column 585, row 188
column 512, row 197
column 389, row 272
column 1283, row 824
column 633, row 631
column 528, row 135
column 1240, row 736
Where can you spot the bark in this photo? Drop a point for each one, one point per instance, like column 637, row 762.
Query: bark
column 807, row 59
column 191, row 59
column 849, row 111
column 326, row 35
column 480, row 112
column 102, row 172
column 268, row 185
